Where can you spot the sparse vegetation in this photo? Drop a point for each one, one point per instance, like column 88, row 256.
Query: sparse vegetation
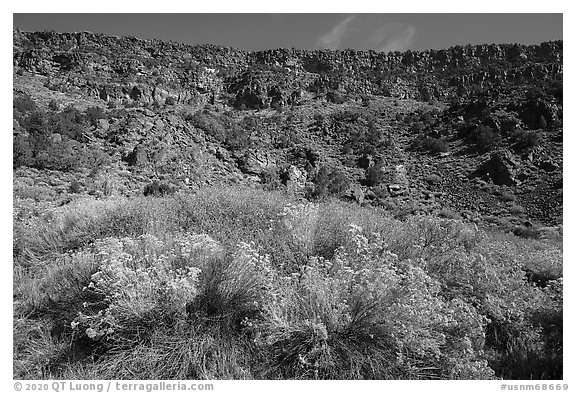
column 526, row 139
column 158, row 188
column 329, row 181
column 52, row 138
column 374, row 174
column 432, row 145
column 485, row 139
column 516, row 209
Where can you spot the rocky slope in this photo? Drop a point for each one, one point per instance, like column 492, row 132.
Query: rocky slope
column 472, row 132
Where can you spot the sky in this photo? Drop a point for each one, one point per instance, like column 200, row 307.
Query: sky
column 381, row 32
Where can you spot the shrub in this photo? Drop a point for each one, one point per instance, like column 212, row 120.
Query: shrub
column 516, row 210
column 95, row 113
column 234, row 289
column 432, row 145
column 53, row 105
column 159, row 188
column 320, row 326
column 357, row 316
column 23, row 155
column 433, row 179
column 485, row 139
column 36, row 124
column 433, row 239
column 270, row 178
column 329, row 181
column 300, row 221
column 71, row 122
column 75, row 187
column 374, row 175
column 170, row 101
column 129, row 294
column 508, row 196
column 526, row 232
column 335, row 97
column 369, row 138
column 64, row 156
column 334, row 218
column 239, row 136
column 209, row 124
column 52, row 140
column 142, row 282
column 526, row 139
column 542, row 123
column 366, row 100
column 435, row 145
column 509, row 123
column 416, row 127
column 447, row 213
column 340, row 118
column 24, row 103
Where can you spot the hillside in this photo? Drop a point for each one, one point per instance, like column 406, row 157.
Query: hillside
column 468, row 124
column 258, row 184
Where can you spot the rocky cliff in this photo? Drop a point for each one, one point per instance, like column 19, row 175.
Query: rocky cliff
column 125, row 68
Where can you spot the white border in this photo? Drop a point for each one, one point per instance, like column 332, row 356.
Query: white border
column 296, row 6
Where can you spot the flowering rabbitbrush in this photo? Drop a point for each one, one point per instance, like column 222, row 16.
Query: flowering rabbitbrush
column 142, row 277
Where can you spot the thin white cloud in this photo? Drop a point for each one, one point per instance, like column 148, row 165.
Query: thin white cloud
column 401, row 41
column 333, row 39
column 393, row 36
column 376, row 32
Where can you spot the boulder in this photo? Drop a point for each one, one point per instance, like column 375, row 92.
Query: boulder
column 136, row 93
column 103, row 124
column 356, row 193
column 295, row 179
column 396, row 189
column 538, row 113
column 401, row 176
column 548, row 165
column 254, row 162
column 502, row 168
column 56, row 138
column 365, row 161
column 137, row 157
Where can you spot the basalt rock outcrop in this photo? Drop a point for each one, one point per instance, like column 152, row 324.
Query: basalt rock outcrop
column 130, row 69
column 501, row 168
